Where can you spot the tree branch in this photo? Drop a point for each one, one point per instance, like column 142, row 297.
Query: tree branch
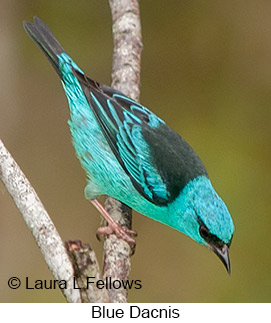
column 86, row 272
column 80, row 261
column 125, row 78
column 39, row 222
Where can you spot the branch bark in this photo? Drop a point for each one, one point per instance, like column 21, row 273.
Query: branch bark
column 77, row 262
column 125, row 78
column 86, row 272
column 39, row 223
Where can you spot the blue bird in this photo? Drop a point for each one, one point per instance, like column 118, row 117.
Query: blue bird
column 129, row 153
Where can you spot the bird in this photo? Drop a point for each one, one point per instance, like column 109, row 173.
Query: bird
column 132, row 155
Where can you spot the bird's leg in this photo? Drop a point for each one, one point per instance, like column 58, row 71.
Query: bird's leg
column 114, row 227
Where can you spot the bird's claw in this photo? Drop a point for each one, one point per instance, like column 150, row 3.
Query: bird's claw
column 121, row 232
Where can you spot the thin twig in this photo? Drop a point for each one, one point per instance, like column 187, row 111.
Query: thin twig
column 125, row 78
column 39, row 223
column 86, row 272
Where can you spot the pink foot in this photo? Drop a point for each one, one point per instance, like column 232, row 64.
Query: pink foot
column 114, row 227
column 121, row 232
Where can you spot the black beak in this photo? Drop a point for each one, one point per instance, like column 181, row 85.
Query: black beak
column 223, row 255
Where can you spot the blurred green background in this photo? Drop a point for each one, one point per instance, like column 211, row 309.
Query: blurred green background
column 206, row 70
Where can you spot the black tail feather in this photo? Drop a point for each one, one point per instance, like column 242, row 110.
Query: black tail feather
column 45, row 39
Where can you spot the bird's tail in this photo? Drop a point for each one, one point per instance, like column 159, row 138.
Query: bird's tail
column 45, row 39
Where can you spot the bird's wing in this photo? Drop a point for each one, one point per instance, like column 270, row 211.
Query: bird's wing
column 122, row 121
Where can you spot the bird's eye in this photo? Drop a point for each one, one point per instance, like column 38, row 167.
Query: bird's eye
column 204, row 232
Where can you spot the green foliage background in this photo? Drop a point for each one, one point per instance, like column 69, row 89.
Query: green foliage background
column 206, row 70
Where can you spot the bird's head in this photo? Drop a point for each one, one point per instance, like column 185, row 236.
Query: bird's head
column 202, row 215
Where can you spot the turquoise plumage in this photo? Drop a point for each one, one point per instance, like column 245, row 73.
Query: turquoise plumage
column 129, row 153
